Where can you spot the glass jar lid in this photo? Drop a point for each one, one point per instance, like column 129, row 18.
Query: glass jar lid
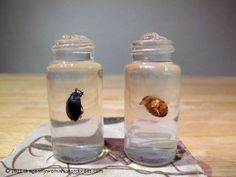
column 73, row 46
column 152, row 46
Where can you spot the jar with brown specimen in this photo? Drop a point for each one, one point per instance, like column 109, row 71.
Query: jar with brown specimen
column 152, row 89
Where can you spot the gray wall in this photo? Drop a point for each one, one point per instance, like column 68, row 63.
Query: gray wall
column 203, row 31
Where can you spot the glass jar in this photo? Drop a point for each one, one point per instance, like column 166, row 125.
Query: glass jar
column 152, row 89
column 74, row 84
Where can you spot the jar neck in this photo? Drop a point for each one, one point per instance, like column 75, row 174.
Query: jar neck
column 161, row 57
column 152, row 47
column 72, row 47
column 73, row 55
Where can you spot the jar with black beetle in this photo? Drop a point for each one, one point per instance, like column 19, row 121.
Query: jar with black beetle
column 74, row 84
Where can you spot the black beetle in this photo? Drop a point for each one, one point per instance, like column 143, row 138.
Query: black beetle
column 74, row 108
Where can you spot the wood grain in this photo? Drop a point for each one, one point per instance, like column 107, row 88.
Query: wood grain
column 207, row 119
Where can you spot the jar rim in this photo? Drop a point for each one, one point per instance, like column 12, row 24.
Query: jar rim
column 73, row 41
column 152, row 43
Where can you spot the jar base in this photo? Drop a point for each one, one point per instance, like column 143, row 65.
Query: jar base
column 77, row 155
column 150, row 157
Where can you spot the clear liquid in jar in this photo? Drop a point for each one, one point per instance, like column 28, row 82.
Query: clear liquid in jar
column 151, row 140
column 80, row 141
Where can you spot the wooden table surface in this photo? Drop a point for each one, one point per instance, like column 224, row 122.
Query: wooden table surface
column 207, row 119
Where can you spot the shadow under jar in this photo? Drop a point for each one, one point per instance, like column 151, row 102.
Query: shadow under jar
column 152, row 88
column 74, row 84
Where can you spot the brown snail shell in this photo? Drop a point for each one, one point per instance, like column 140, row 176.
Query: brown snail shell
column 156, row 106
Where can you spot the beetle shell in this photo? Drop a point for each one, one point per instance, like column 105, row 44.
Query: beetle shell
column 74, row 108
column 156, row 106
